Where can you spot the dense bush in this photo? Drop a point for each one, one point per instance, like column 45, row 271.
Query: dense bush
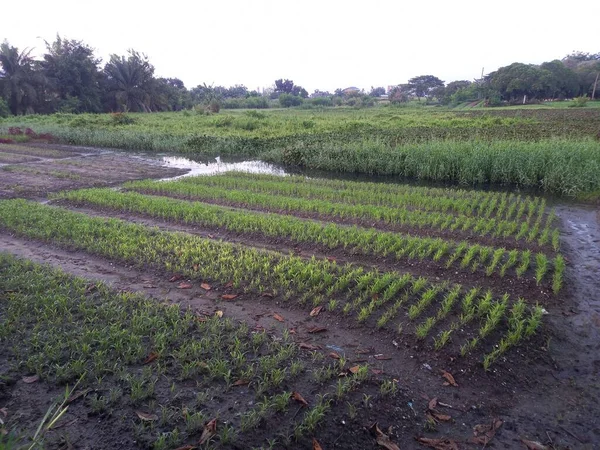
column 289, row 100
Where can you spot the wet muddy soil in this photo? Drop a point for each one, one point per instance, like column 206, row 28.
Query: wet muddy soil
column 67, row 169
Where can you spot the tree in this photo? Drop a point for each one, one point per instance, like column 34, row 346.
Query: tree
column 518, row 80
column 560, row 81
column 288, row 87
column 377, row 91
column 20, row 81
column 424, row 84
column 130, row 82
column 72, row 70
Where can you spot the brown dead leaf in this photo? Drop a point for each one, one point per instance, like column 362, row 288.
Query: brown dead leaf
column 229, row 296
column 195, row 267
column 316, row 445
column 268, row 294
column 382, row 439
column 354, row 369
column 315, row 312
column 151, row 357
column 296, row 396
column 382, row 357
column 241, row 382
column 186, row 447
column 229, row 284
column 184, row 286
column 78, row 394
column 317, row 330
column 147, row 417
column 432, row 403
column 219, row 314
column 175, row 278
column 484, row 433
column 278, row 317
column 307, row 346
column 440, row 417
column 334, row 355
column 438, row 444
column 331, row 259
column 534, row 445
column 31, row 379
column 206, row 286
column 210, row 429
column 377, row 371
column 90, row 288
column 450, row 379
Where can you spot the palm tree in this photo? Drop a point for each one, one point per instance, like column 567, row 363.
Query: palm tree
column 19, row 80
column 130, row 81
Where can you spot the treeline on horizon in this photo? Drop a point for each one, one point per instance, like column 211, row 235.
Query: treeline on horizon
column 69, row 78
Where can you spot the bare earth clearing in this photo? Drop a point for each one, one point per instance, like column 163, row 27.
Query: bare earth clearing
column 546, row 390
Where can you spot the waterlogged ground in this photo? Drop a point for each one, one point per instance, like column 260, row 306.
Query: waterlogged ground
column 546, row 391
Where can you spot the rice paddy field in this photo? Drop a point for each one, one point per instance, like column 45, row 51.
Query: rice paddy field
column 444, row 296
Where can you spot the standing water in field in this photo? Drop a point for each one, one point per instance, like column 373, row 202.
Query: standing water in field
column 216, row 165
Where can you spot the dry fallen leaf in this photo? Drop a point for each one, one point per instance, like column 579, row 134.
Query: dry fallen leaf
column 315, row 312
column 229, row 284
column 534, row 445
column 195, row 267
column 209, row 431
column 31, row 379
column 229, row 296
column 184, row 286
column 377, row 371
column 485, row 432
column 382, row 439
column 296, row 396
column 278, row 317
column 308, row 346
column 317, row 330
column 78, row 394
column 334, row 355
column 219, row 314
column 450, row 379
column 206, row 286
column 268, row 294
column 438, row 444
column 354, row 369
column 176, row 277
column 186, row 447
column 151, row 357
column 432, row 403
column 241, row 383
column 440, row 417
column 146, row 417
column 331, row 258
column 90, row 288
column 316, row 445
column 382, row 357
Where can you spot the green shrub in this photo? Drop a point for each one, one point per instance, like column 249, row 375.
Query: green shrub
column 289, row 100
column 579, row 102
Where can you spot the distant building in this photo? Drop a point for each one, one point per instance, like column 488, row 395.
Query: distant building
column 351, row 90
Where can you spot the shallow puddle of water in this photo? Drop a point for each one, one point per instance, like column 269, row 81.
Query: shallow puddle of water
column 215, row 165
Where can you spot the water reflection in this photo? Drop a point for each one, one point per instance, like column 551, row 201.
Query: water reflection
column 216, row 165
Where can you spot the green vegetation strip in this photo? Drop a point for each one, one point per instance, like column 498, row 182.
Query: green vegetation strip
column 125, row 352
column 539, row 230
column 475, row 203
column 351, row 289
column 361, row 240
column 564, row 167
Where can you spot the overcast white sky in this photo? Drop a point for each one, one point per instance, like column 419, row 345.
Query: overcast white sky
column 322, row 44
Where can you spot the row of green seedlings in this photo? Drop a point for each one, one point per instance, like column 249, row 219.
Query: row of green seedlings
column 249, row 270
column 540, row 232
column 477, row 202
column 331, row 236
column 183, row 347
column 485, row 205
